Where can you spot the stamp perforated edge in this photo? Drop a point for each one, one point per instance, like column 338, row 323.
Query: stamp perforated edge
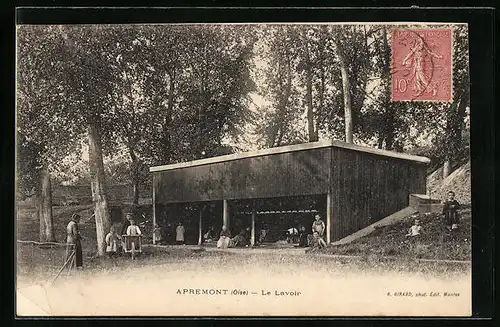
column 452, row 48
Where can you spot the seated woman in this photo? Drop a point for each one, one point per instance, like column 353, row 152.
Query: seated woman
column 209, row 236
column 291, row 235
column 241, row 239
column 225, row 238
column 262, row 235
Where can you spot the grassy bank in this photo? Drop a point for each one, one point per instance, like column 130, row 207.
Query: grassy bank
column 435, row 242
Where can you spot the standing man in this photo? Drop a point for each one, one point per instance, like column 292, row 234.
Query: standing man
column 179, row 234
column 73, row 240
column 318, row 225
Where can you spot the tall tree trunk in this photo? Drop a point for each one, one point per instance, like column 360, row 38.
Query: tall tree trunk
column 320, row 108
column 202, row 107
column 389, row 109
column 450, row 142
column 380, row 141
column 135, row 175
column 346, row 92
column 389, row 129
column 201, row 118
column 310, row 115
column 44, row 208
column 280, row 137
column 460, row 126
column 283, row 106
column 98, row 185
column 135, row 186
column 446, row 167
column 309, row 96
column 167, row 123
column 454, row 127
column 39, row 213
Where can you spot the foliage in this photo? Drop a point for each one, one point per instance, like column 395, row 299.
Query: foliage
column 173, row 93
column 280, row 57
column 161, row 93
column 377, row 121
column 42, row 135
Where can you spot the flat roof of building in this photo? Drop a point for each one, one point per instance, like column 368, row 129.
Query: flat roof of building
column 292, row 148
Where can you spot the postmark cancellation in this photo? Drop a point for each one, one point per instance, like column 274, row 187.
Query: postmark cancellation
column 422, row 64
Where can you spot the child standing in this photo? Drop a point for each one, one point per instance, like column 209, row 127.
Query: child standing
column 112, row 241
column 450, row 211
column 157, row 234
column 133, row 229
column 318, row 225
column 179, row 234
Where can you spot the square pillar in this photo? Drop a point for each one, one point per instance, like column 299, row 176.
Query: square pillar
column 200, row 229
column 329, row 210
column 154, row 206
column 252, row 237
column 225, row 213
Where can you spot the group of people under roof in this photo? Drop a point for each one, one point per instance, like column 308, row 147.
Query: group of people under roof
column 115, row 244
column 164, row 235
column 302, row 238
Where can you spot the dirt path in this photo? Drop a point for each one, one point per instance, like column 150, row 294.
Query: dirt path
column 257, row 284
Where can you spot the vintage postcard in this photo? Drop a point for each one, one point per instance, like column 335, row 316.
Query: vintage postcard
column 307, row 169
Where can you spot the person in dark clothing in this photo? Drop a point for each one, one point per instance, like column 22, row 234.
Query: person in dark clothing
column 302, row 237
column 318, row 241
column 126, row 223
column 123, row 231
column 263, row 234
column 450, row 211
column 243, row 238
column 210, row 235
column 73, row 241
column 168, row 231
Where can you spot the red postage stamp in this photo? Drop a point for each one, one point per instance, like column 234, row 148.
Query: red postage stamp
column 422, row 64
